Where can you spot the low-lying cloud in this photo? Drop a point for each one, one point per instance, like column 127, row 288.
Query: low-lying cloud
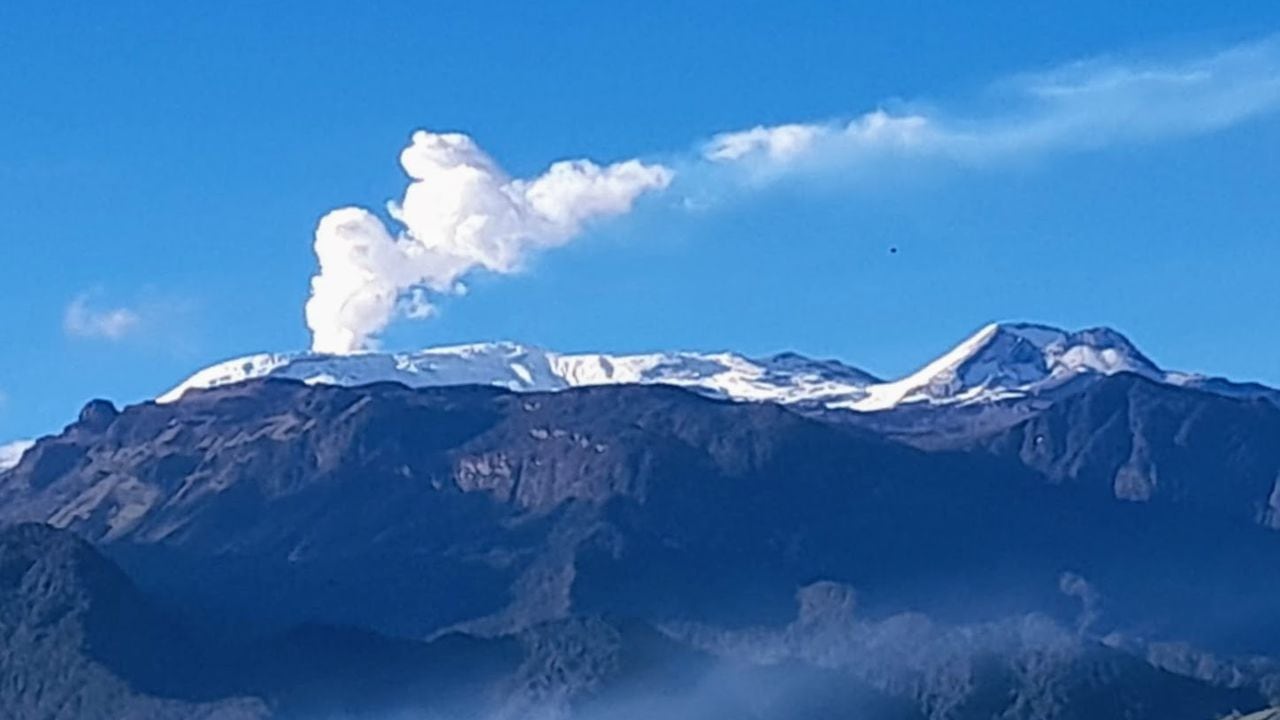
column 462, row 214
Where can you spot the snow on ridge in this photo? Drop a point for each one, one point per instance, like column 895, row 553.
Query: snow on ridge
column 11, row 453
column 233, row 371
column 1000, row 361
column 505, row 364
column 890, row 394
column 723, row 374
column 1006, row 360
column 524, row 368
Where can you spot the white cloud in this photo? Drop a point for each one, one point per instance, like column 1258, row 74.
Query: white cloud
column 83, row 320
column 11, row 453
column 1079, row 106
column 460, row 214
column 784, row 143
column 778, row 143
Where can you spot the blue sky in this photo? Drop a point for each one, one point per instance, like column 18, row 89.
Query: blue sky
column 163, row 170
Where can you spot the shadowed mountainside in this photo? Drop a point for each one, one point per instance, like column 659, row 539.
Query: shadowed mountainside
column 81, row 643
column 477, row 516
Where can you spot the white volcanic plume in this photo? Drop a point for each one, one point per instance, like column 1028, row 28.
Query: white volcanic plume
column 461, row 213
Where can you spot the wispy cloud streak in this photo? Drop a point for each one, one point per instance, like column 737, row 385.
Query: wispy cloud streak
column 1080, row 106
column 82, row 320
column 462, row 214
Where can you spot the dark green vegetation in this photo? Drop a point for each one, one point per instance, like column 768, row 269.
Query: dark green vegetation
column 629, row 552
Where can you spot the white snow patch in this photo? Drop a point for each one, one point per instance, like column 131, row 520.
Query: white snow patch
column 11, row 453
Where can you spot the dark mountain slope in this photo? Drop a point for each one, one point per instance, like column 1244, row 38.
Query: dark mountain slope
column 1140, row 441
column 504, row 526
column 77, row 642
column 472, row 504
column 822, row 666
column 81, row 643
column 1202, row 474
column 447, row 498
column 491, row 511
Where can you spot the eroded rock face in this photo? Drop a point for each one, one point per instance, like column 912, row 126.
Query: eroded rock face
column 1271, row 513
column 229, row 469
column 1136, row 481
column 1142, row 442
column 477, row 507
column 491, row 472
column 554, row 532
column 97, row 415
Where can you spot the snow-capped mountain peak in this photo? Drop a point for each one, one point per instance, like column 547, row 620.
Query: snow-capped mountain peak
column 1001, row 361
column 786, row 378
column 1004, row 360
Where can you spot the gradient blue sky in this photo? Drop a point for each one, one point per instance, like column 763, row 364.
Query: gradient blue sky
column 171, row 162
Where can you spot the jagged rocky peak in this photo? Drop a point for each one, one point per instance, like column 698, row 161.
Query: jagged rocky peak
column 98, row 414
